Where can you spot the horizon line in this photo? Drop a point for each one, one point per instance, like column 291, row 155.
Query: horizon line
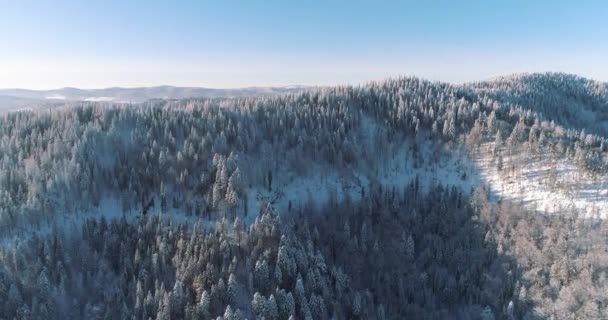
column 308, row 86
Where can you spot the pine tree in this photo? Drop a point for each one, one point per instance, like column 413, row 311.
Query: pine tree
column 204, row 304
column 259, row 306
column 233, row 289
column 285, row 304
column 262, row 277
column 273, row 310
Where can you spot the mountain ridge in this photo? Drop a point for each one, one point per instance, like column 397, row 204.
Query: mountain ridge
column 520, row 88
column 20, row 99
column 462, row 198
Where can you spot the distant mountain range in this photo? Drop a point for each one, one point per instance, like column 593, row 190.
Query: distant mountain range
column 16, row 99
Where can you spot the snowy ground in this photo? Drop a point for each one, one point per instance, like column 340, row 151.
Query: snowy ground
column 543, row 185
column 392, row 168
column 396, row 171
column 109, row 208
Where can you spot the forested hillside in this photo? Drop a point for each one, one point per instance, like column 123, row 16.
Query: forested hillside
column 567, row 99
column 401, row 199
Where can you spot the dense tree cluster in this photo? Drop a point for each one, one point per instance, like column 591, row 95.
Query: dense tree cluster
column 396, row 254
column 187, row 151
column 399, row 252
column 567, row 99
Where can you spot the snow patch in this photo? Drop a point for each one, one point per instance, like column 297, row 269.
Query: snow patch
column 394, row 170
column 390, row 165
column 545, row 185
column 55, row 97
column 99, row 99
column 110, row 208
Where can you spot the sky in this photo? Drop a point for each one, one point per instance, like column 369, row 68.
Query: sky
column 228, row 44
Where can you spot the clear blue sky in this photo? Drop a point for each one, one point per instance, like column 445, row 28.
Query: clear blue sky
column 50, row 44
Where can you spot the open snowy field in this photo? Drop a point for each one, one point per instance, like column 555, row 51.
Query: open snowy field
column 543, row 184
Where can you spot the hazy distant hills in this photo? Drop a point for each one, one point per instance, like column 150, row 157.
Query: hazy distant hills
column 15, row 99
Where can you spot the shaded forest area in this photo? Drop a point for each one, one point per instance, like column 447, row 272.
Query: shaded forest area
column 397, row 254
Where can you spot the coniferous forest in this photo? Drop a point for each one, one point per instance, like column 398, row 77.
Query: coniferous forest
column 399, row 199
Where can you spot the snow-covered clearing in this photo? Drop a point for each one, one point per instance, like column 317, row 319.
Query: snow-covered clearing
column 543, row 184
column 392, row 166
column 99, row 99
column 397, row 171
column 109, row 208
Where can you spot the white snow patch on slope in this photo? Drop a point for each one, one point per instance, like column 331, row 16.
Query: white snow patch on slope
column 99, row 99
column 109, row 208
column 55, row 97
column 395, row 172
column 392, row 167
column 545, row 186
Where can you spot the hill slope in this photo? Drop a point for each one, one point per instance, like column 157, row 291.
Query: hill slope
column 396, row 199
column 569, row 100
